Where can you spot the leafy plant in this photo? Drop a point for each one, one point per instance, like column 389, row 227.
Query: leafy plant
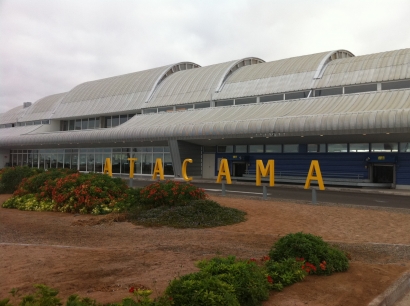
column 310, row 249
column 195, row 214
column 248, row 280
column 44, row 296
column 284, row 273
column 10, row 178
column 170, row 193
column 201, row 289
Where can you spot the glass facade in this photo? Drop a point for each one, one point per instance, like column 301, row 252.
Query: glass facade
column 93, row 160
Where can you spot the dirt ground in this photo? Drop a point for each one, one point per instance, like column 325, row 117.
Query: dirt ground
column 81, row 254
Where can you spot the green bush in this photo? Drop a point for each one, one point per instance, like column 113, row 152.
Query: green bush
column 310, row 249
column 201, row 289
column 170, row 193
column 248, row 280
column 195, row 214
column 285, row 272
column 10, row 178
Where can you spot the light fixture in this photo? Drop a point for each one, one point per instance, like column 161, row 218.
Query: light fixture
column 302, row 136
column 387, row 133
column 321, row 135
column 267, row 136
column 364, row 134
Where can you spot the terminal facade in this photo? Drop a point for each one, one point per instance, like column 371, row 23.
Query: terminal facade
column 351, row 113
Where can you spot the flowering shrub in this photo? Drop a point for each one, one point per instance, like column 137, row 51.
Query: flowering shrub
column 284, row 272
column 317, row 256
column 10, row 178
column 170, row 193
column 29, row 202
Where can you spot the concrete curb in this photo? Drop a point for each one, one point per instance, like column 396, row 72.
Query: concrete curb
column 394, row 293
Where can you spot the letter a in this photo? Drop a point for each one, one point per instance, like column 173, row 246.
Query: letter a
column 314, row 167
column 224, row 171
column 184, row 164
column 107, row 166
column 158, row 170
column 261, row 170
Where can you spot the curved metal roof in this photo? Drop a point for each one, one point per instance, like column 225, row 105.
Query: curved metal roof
column 197, row 85
column 12, row 115
column 375, row 112
column 379, row 67
column 291, row 74
column 42, row 108
column 116, row 94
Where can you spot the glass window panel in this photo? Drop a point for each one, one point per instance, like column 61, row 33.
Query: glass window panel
column 328, row 92
column 271, row 98
column 125, row 163
column 138, row 162
column 225, row 149
column 158, row 155
column 97, row 123
column 107, row 123
column 224, row 103
column 296, row 95
column 24, row 161
column 184, row 107
column 202, row 105
column 273, row 148
column 115, row 121
column 64, row 125
column 98, row 162
column 359, row 147
column 245, row 101
column 149, row 110
column 168, row 168
column 27, row 123
column 45, row 121
column 384, row 147
column 337, row 147
column 116, row 162
column 77, row 124
column 71, row 125
column 256, row 149
column 42, row 161
column 90, row 162
column 405, row 147
column 83, row 162
column 290, row 148
column 130, row 116
column 35, row 160
column 37, row 122
column 360, row 88
column 60, row 158
column 123, row 119
column 209, row 149
column 316, row 148
column 165, row 109
column 158, row 149
column 396, row 85
column 53, row 163
column 91, row 123
column 166, row 149
column 146, row 160
column 67, row 160
column 241, row 149
column 84, row 124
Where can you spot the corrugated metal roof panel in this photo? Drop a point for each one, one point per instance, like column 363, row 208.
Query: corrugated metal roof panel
column 385, row 66
column 322, row 115
column 12, row 115
column 42, row 108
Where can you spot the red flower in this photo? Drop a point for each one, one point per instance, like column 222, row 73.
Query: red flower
column 132, row 289
column 270, row 279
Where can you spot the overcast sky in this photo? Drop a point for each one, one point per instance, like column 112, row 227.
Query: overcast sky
column 50, row 46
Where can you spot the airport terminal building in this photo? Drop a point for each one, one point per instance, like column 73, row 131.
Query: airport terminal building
column 351, row 113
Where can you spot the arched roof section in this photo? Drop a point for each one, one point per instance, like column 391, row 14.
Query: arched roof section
column 279, row 76
column 372, row 68
column 375, row 112
column 331, row 56
column 195, row 85
column 12, row 115
column 115, row 94
column 235, row 66
column 42, row 108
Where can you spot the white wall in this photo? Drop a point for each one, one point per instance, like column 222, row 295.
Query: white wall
column 4, row 157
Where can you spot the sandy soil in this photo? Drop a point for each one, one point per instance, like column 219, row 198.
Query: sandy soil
column 81, row 254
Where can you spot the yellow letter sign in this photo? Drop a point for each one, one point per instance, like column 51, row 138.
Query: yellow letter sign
column 224, row 171
column 261, row 170
column 184, row 164
column 132, row 160
column 158, row 170
column 107, row 166
column 314, row 167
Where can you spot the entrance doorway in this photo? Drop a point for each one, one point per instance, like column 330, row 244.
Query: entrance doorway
column 383, row 174
column 239, row 169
